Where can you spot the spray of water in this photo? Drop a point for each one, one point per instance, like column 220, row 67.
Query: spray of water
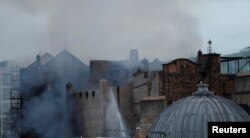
column 114, row 122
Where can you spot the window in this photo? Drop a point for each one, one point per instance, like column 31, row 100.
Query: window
column 6, row 108
column 6, row 94
column 80, row 95
column 87, row 94
column 93, row 94
column 15, row 103
column 6, row 78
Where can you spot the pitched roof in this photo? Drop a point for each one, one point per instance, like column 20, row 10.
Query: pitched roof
column 65, row 58
column 44, row 59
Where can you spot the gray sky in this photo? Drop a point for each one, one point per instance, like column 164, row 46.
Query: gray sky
column 108, row 29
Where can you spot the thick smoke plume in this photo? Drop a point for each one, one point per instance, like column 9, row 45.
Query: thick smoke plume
column 97, row 29
column 45, row 116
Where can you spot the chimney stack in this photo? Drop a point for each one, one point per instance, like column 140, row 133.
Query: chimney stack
column 69, row 87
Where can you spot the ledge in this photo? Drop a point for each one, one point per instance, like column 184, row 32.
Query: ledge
column 153, row 98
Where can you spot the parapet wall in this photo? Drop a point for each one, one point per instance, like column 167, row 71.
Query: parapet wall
column 89, row 110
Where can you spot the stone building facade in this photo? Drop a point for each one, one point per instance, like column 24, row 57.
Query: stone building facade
column 90, row 112
column 242, row 90
column 177, row 79
column 86, row 110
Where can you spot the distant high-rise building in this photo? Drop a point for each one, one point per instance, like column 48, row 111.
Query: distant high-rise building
column 134, row 59
column 144, row 65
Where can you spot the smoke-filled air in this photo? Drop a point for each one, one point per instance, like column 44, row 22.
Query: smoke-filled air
column 92, row 29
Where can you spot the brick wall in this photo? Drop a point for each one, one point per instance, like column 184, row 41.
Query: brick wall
column 179, row 78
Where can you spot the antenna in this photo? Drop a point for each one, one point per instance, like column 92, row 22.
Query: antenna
column 209, row 46
column 65, row 40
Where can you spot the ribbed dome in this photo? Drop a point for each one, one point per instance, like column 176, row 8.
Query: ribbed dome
column 188, row 117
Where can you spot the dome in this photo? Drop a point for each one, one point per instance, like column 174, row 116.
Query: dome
column 188, row 117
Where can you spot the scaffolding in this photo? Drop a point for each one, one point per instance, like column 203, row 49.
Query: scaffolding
column 12, row 129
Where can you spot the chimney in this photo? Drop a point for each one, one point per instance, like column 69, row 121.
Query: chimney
column 199, row 56
column 38, row 60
